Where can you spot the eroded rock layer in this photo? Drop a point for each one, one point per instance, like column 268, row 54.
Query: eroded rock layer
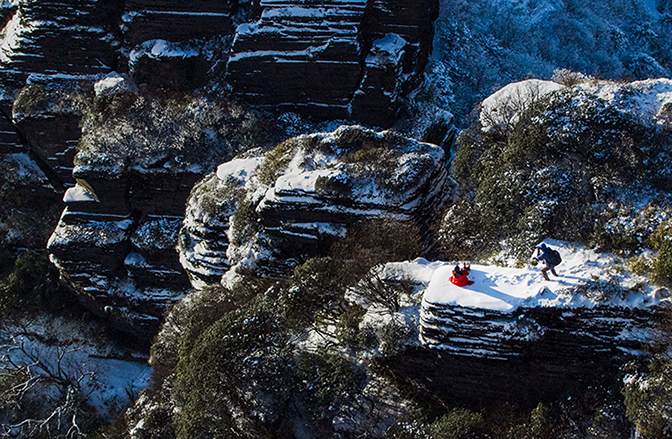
column 119, row 246
column 52, row 36
column 572, row 333
column 172, row 20
column 276, row 209
column 338, row 59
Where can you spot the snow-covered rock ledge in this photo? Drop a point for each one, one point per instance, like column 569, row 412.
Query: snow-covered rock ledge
column 594, row 307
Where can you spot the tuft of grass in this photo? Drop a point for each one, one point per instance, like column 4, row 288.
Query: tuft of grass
column 275, row 162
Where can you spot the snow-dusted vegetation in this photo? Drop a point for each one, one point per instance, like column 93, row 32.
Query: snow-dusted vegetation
column 485, row 44
column 286, row 275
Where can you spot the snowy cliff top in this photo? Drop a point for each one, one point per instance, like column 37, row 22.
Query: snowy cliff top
column 648, row 101
column 505, row 289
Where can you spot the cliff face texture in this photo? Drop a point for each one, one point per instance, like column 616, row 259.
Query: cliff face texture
column 350, row 59
column 269, row 211
column 342, row 59
column 125, row 182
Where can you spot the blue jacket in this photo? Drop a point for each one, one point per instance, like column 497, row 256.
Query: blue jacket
column 544, row 256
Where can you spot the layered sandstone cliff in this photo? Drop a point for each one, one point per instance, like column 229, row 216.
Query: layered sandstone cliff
column 268, row 211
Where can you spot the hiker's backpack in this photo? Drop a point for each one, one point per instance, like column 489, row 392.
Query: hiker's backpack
column 554, row 256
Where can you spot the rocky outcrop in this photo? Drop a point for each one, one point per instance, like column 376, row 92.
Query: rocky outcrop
column 119, row 247
column 136, row 164
column 268, row 211
column 547, row 333
column 345, row 59
column 338, row 59
column 55, row 37
column 498, row 342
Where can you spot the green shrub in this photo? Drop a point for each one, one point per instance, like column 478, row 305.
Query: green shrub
column 113, row 105
column 340, row 186
column 275, row 162
column 378, row 241
column 461, row 234
column 64, row 97
column 393, row 337
column 640, row 265
column 244, row 224
column 240, row 356
column 355, row 137
column 316, row 292
column 328, row 381
column 647, row 400
column 661, row 240
column 348, row 327
column 34, row 286
column 662, row 266
column 538, row 181
column 541, row 426
column 458, row 424
column 32, row 98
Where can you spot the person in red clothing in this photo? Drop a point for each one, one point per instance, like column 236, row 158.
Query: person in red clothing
column 460, row 276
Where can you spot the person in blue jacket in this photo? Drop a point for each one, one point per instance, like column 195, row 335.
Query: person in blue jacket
column 543, row 255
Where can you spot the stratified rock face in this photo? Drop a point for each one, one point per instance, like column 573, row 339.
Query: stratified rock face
column 304, row 56
column 137, row 162
column 119, row 247
column 174, row 20
column 335, row 59
column 52, row 36
column 545, row 333
column 265, row 211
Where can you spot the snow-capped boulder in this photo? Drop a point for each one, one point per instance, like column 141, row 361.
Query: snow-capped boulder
column 291, row 202
column 513, row 312
column 500, row 111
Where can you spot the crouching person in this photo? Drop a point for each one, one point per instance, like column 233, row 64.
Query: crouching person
column 550, row 258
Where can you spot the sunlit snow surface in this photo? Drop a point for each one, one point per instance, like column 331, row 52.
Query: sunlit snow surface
column 505, row 289
column 647, row 101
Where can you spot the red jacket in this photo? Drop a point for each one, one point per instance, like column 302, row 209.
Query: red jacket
column 461, row 281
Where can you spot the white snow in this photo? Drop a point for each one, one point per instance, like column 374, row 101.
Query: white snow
column 501, row 110
column 158, row 49
column 239, row 169
column 57, row 347
column 505, row 289
column 79, row 193
column 112, row 83
column 12, row 36
column 303, row 181
column 649, row 101
column 386, row 51
column 646, row 100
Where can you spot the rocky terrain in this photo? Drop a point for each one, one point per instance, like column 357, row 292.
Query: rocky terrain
column 119, row 226
column 233, row 183
column 373, row 50
column 290, row 204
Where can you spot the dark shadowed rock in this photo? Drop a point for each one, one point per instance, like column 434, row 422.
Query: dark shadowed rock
column 345, row 59
column 175, row 21
column 49, row 37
